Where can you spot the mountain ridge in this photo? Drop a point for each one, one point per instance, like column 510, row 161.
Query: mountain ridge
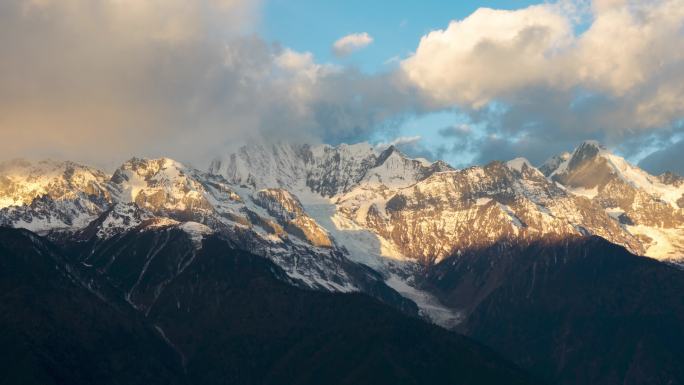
column 355, row 204
column 450, row 246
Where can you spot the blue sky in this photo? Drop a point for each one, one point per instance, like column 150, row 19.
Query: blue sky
column 396, row 27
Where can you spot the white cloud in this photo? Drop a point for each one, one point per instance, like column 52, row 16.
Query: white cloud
column 630, row 53
column 487, row 54
column 350, row 43
column 400, row 141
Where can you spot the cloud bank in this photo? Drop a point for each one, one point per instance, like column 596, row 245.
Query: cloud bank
column 103, row 80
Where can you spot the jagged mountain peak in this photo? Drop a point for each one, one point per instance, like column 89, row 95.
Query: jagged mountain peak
column 51, row 195
column 136, row 174
column 586, row 151
column 163, row 186
column 118, row 218
column 394, row 169
column 649, row 207
column 323, row 169
column 499, row 168
column 149, row 167
column 524, row 169
column 260, row 165
column 361, row 149
column 551, row 165
column 591, row 145
column 389, row 151
column 22, row 181
column 519, row 164
column 442, row 166
column 591, row 165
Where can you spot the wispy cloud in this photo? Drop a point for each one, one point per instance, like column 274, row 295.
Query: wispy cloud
column 350, row 43
column 457, row 130
column 400, row 141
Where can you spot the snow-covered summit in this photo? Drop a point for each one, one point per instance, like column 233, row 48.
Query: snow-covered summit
column 323, row 169
column 393, row 169
column 592, row 165
column 264, row 166
column 318, row 210
column 23, row 181
column 160, row 185
column 518, row 164
column 648, row 206
column 552, row 164
column 50, row 195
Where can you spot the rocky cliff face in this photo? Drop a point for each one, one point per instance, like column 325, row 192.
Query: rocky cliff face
column 284, row 206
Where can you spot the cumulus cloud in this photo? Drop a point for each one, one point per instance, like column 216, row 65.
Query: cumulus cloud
column 350, row 43
column 530, row 71
column 495, row 54
column 489, row 53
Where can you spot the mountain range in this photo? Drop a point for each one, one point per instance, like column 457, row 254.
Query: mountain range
column 571, row 271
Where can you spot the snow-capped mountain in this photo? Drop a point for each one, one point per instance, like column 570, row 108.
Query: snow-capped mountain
column 404, row 208
column 347, row 218
column 324, row 178
column 269, row 222
column 72, row 203
column 454, row 211
column 50, row 195
column 22, row 181
column 394, row 206
column 647, row 206
column 324, row 169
